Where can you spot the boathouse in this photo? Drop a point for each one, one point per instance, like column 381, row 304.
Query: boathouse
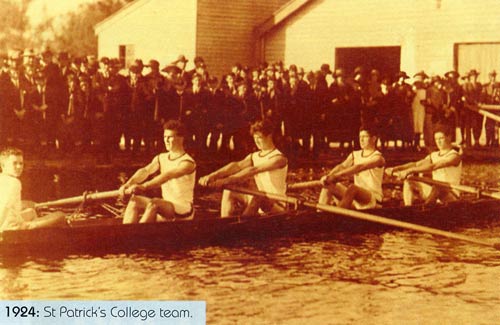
column 411, row 35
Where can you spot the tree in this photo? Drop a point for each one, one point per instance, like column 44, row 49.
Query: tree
column 77, row 33
column 14, row 24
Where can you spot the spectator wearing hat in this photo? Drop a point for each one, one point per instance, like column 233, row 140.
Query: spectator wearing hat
column 216, row 114
column 64, row 64
column 195, row 115
column 435, row 102
column 37, row 100
column 418, row 106
column 245, row 111
column 12, row 108
column 158, row 107
column 69, row 124
column 455, row 114
column 296, row 121
column 86, row 102
column 318, row 107
column 372, row 96
column 341, row 119
column 491, row 95
column 135, row 110
column 181, row 63
column 272, row 102
column 50, row 69
column 402, row 99
column 473, row 123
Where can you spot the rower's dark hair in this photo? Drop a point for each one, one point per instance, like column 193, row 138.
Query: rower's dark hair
column 446, row 130
column 10, row 151
column 265, row 127
column 372, row 131
column 175, row 125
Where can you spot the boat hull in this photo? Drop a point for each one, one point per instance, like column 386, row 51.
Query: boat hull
column 109, row 235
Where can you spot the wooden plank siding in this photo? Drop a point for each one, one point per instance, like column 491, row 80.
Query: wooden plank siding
column 225, row 31
column 158, row 29
column 426, row 30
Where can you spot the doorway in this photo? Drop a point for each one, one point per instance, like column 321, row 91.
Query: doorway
column 386, row 59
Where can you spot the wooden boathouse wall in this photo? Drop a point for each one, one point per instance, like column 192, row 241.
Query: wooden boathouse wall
column 431, row 33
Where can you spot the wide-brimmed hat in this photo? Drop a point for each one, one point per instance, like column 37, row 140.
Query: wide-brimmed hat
column 421, row 74
column 171, row 69
column 473, row 72
column 452, row 74
column 492, row 73
column 402, row 74
column 180, row 58
column 325, row 67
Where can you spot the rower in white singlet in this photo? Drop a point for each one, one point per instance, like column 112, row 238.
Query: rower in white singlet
column 265, row 170
column 445, row 165
column 176, row 180
column 367, row 168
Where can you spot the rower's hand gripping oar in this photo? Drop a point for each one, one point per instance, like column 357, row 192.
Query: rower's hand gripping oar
column 79, row 199
column 461, row 188
column 366, row 216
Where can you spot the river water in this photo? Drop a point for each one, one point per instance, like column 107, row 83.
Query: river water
column 384, row 278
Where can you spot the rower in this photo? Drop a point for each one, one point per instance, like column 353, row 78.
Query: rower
column 265, row 169
column 176, row 179
column 14, row 213
column 445, row 165
column 367, row 167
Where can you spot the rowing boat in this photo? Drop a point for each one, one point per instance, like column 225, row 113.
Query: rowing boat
column 107, row 234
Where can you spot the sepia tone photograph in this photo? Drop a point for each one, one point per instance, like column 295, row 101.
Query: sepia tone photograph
column 284, row 161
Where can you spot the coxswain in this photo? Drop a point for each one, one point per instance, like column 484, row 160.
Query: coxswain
column 14, row 213
column 367, row 168
column 265, row 169
column 445, row 165
column 176, row 178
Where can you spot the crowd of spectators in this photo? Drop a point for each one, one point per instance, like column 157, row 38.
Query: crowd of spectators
column 58, row 103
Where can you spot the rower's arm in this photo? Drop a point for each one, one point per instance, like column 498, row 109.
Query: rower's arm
column 185, row 168
column 277, row 162
column 347, row 163
column 232, row 168
column 408, row 166
column 142, row 173
column 453, row 160
column 377, row 161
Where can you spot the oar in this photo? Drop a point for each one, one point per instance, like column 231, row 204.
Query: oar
column 79, row 199
column 461, row 188
column 484, row 113
column 303, row 185
column 491, row 107
column 365, row 216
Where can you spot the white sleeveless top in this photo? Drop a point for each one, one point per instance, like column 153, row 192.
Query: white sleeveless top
column 273, row 181
column 178, row 191
column 370, row 179
column 450, row 174
column 10, row 203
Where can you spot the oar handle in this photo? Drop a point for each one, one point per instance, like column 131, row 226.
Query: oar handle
column 271, row 196
column 458, row 187
column 493, row 107
column 484, row 112
column 430, row 181
column 303, row 185
column 79, row 199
